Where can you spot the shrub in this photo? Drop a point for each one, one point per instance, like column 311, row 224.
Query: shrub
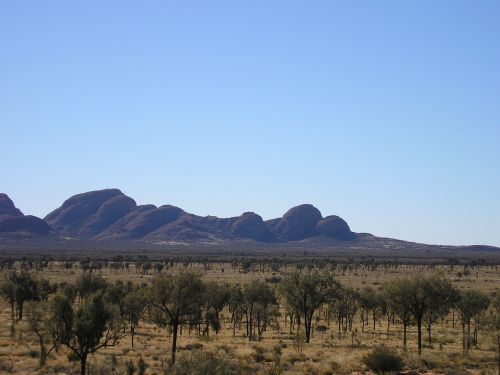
column 258, row 356
column 141, row 366
column 299, row 341
column 382, row 360
column 196, row 345
column 199, row 362
column 130, row 367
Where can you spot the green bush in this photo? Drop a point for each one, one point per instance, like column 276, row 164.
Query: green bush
column 383, row 360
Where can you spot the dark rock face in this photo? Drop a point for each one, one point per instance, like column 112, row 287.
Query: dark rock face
column 82, row 215
column 117, row 230
column 7, row 207
column 251, row 226
column 27, row 224
column 298, row 223
column 336, row 227
column 187, row 228
column 111, row 215
column 109, row 212
column 151, row 220
column 12, row 220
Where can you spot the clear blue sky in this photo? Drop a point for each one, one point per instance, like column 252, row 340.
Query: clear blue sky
column 386, row 113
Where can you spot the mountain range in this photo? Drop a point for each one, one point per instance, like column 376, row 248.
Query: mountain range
column 109, row 215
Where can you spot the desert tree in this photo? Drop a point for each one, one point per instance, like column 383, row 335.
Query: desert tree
column 159, row 266
column 443, row 296
column 265, row 313
column 258, row 301
column 39, row 322
column 379, row 308
column 367, row 301
column 134, row 305
column 235, row 306
column 88, row 283
column 421, row 293
column 114, row 294
column 176, row 300
column 306, row 293
column 19, row 288
column 8, row 292
column 216, row 297
column 45, row 288
column 85, row 329
column 398, row 300
column 470, row 305
column 349, row 303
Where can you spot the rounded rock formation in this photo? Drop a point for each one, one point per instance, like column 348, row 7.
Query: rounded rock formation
column 298, row 223
column 76, row 211
column 26, row 224
column 251, row 226
column 153, row 219
column 7, row 207
column 336, row 227
column 109, row 212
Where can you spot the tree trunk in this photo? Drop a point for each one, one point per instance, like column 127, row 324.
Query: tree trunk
column 13, row 314
column 307, row 325
column 498, row 339
column 468, row 336
column 404, row 336
column 20, row 308
column 463, row 339
column 250, row 327
column 175, row 327
column 83, row 364
column 419, row 332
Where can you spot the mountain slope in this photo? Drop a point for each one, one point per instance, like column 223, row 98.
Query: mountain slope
column 12, row 220
column 111, row 215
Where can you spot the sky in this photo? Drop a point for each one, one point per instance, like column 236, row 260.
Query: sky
column 386, row 113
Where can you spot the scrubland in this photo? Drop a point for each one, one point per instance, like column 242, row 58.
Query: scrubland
column 334, row 348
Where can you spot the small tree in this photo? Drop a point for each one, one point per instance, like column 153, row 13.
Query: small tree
column 86, row 329
column 236, row 306
column 24, row 288
column 258, row 302
column 8, row 292
column 177, row 300
column 134, row 304
column 367, row 303
column 398, row 302
column 38, row 320
column 307, row 292
column 470, row 305
column 421, row 294
column 89, row 283
column 443, row 296
column 216, row 297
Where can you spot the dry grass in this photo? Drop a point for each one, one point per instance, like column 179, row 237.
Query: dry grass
column 328, row 353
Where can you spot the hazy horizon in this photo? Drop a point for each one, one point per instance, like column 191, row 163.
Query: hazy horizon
column 386, row 114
